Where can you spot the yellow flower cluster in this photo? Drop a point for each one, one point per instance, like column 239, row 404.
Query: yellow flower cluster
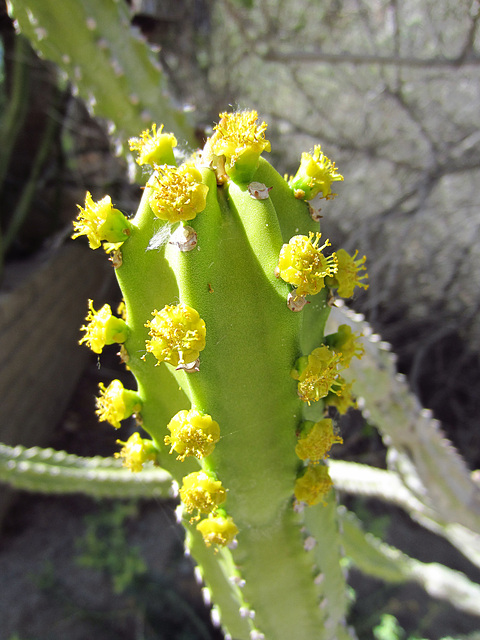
column 318, row 374
column 316, row 440
column 192, row 434
column 101, row 222
column 315, row 174
column 349, row 274
column 202, row 492
column 302, row 264
column 136, row 451
column 103, row 328
column 154, row 148
column 313, row 485
column 115, row 403
column 177, row 193
column 219, row 530
column 240, row 140
column 177, row 335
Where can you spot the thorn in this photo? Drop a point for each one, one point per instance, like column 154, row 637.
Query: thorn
column 215, row 616
column 309, row 543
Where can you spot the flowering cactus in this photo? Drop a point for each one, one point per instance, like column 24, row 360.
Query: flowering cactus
column 227, row 287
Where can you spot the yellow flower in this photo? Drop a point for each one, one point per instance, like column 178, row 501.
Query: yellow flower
column 192, row 434
column 347, row 343
column 136, row 451
column 313, row 485
column 154, row 148
column 99, row 221
column 342, row 400
column 315, row 174
column 316, row 440
column 241, row 140
column 177, row 193
column 201, row 492
column 102, row 328
column 348, row 275
column 177, row 335
column 318, row 374
column 302, row 264
column 217, row 530
column 115, row 403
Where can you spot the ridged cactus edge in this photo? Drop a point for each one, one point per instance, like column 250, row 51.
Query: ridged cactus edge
column 227, row 285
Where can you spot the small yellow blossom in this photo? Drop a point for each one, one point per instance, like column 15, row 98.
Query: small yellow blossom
column 316, row 441
column 342, row 400
column 115, row 403
column 302, row 264
column 318, row 374
column 154, row 148
column 202, row 493
column 218, row 530
column 348, row 275
column 136, row 451
column 315, row 174
column 192, row 434
column 241, row 140
column 103, row 328
column 347, row 343
column 100, row 222
column 177, row 334
column 313, row 485
column 177, row 193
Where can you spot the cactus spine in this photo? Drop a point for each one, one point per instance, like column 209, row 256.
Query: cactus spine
column 216, row 268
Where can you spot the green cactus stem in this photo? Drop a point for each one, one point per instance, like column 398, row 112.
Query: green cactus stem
column 223, row 270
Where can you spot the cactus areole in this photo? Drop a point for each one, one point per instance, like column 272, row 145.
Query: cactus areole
column 227, row 286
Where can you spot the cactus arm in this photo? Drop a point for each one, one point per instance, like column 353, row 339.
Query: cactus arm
column 109, row 63
column 360, row 479
column 418, row 450
column 382, row 561
column 322, row 524
column 50, row 471
column 222, row 580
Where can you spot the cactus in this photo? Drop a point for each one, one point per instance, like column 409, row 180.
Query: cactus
column 228, row 287
column 109, row 64
column 223, row 272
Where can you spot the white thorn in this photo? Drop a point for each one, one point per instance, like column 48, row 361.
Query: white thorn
column 41, row 33
column 240, row 582
column 116, row 67
column 309, row 543
column 215, row 616
column 207, row 596
column 426, row 413
column 198, row 575
column 175, row 488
